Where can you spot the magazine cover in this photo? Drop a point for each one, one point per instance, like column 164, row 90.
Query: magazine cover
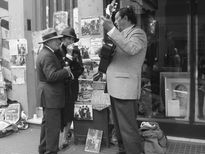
column 93, row 140
column 90, row 68
column 2, row 113
column 60, row 20
column 3, row 96
column 100, row 100
column 12, row 113
column 3, row 125
column 91, row 26
column 85, row 89
column 18, row 50
column 83, row 112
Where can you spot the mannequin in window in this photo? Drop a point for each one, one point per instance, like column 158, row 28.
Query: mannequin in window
column 168, row 57
column 177, row 59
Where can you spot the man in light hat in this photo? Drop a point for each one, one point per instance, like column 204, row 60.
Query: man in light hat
column 51, row 91
column 74, row 60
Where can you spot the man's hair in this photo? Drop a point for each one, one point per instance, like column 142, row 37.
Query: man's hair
column 130, row 13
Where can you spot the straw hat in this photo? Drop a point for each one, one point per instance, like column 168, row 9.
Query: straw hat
column 69, row 32
column 50, row 34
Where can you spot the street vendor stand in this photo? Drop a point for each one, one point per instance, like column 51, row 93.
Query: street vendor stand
column 100, row 114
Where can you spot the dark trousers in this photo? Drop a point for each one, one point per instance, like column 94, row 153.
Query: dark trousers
column 124, row 117
column 50, row 130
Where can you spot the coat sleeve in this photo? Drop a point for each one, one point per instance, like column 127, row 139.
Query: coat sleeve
column 77, row 69
column 52, row 71
column 132, row 44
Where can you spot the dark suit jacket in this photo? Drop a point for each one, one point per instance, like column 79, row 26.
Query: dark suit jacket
column 71, row 86
column 51, row 77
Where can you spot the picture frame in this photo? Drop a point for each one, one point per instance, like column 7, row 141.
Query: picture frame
column 177, row 96
column 164, row 75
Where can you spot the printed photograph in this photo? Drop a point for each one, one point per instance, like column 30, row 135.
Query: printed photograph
column 3, row 97
column 2, row 113
column 12, row 113
column 178, row 89
column 83, row 112
column 90, row 26
column 93, row 140
column 19, row 51
column 60, row 20
column 85, row 89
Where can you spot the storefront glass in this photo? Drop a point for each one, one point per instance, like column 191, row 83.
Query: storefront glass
column 165, row 76
column 200, row 26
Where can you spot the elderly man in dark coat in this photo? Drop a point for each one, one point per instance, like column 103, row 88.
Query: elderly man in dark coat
column 51, row 91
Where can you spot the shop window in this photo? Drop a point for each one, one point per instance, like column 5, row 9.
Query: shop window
column 165, row 75
column 200, row 90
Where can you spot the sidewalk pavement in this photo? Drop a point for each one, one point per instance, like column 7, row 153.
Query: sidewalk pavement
column 26, row 142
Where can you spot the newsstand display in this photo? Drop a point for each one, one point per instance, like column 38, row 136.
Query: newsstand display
column 91, row 110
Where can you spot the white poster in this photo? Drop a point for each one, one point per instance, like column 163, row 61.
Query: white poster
column 60, row 20
column 5, row 50
column 173, row 108
column 18, row 74
column 93, row 140
column 36, row 38
column 12, row 113
column 18, row 50
column 91, row 26
column 95, row 45
column 13, row 47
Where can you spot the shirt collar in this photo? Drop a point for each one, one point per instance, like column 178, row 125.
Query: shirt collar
column 49, row 48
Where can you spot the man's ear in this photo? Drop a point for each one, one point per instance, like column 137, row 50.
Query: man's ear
column 125, row 18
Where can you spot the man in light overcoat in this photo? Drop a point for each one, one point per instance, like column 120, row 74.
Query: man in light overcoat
column 124, row 77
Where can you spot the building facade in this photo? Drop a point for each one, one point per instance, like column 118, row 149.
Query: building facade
column 173, row 74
